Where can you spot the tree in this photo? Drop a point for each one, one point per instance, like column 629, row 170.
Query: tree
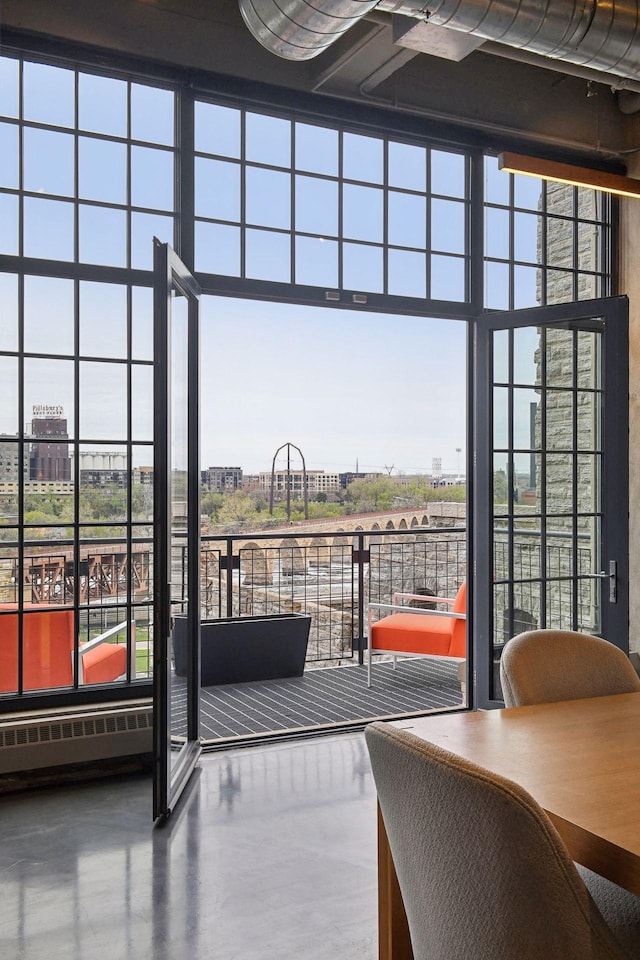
column 373, row 494
column 237, row 508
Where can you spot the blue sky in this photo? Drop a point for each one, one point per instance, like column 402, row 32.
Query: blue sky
column 341, row 385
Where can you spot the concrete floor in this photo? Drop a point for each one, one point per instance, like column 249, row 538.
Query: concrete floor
column 271, row 855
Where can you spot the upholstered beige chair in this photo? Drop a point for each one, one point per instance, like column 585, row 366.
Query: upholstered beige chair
column 482, row 870
column 543, row 666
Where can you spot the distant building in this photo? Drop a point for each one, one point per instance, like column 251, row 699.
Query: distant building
column 103, row 468
column 10, row 461
column 49, row 456
column 347, row 478
column 222, row 479
column 317, row 482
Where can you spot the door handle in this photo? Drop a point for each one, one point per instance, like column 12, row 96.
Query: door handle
column 612, row 577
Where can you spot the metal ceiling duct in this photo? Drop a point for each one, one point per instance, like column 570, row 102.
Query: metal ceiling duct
column 601, row 34
column 302, row 29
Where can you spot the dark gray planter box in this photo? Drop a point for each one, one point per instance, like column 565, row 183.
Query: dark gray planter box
column 238, row 650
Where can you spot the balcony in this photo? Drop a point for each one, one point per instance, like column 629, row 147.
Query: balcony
column 329, row 575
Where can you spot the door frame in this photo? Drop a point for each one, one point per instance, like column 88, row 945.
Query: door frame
column 169, row 780
column 614, row 313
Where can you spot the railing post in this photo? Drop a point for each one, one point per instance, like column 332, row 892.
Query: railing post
column 229, row 561
column 360, row 557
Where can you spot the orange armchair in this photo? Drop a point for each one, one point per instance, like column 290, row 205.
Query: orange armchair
column 419, row 633
column 47, row 643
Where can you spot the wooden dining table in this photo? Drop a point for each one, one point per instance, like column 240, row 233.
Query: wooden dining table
column 580, row 759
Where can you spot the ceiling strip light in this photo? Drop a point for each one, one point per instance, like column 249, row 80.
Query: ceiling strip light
column 567, row 173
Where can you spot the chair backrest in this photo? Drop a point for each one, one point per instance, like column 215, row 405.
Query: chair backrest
column 47, row 644
column 482, row 871
column 543, row 666
column 459, row 629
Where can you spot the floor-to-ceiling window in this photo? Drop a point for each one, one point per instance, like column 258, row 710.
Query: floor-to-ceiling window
column 272, row 204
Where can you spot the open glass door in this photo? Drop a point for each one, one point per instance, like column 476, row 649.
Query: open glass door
column 176, row 634
column 551, row 479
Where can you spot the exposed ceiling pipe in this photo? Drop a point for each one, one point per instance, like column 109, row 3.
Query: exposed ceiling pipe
column 599, row 34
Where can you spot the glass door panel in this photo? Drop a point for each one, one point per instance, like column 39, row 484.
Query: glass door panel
column 552, row 487
column 177, row 530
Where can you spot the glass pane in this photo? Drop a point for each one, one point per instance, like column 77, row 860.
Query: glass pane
column 142, row 323
column 526, row 346
column 9, row 155
column 560, row 199
column 218, row 249
column 527, row 192
column 496, row 285
column 525, row 406
column 316, row 262
column 500, row 418
column 448, row 174
column 501, row 356
column 363, row 158
column 524, row 480
column 527, row 237
column 9, row 396
column 268, row 256
column 589, row 345
column 559, row 286
column 317, row 206
column 103, row 319
column 48, row 94
column 142, row 483
column 500, row 484
column 103, row 236
column 48, row 229
column 141, row 402
column 589, row 405
column 217, row 129
column 362, row 213
column 560, row 489
column 102, row 105
column 589, row 487
column 9, row 87
column 407, row 274
column 103, row 401
column 8, row 311
column 268, row 198
column 9, row 213
column 559, row 347
column 48, row 315
column 407, row 166
column 49, row 162
column 526, row 287
column 496, row 233
column 48, row 392
column 268, row 140
column 560, row 242
column 152, row 114
column 448, row 226
column 9, row 479
column 448, row 278
column 407, row 220
column 496, row 182
column 217, row 189
column 559, row 418
column 591, row 204
column 103, row 483
column 316, row 149
column 151, row 178
column 102, row 170
column 589, row 287
column 362, row 267
column 144, row 227
column 588, row 246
